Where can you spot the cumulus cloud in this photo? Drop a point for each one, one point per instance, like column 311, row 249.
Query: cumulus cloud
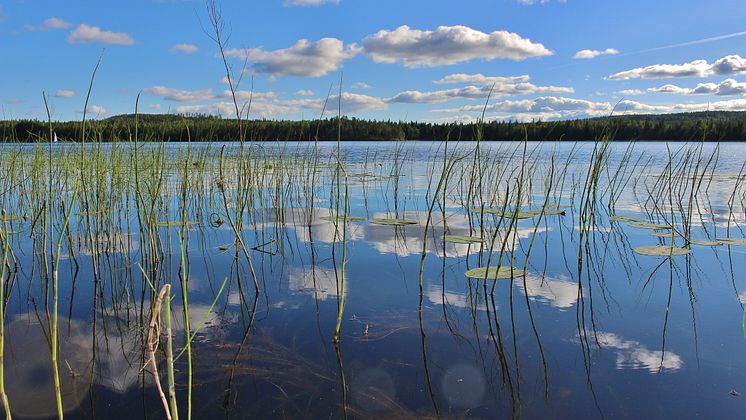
column 728, row 65
column 267, row 105
column 552, row 108
column 473, row 92
column 64, row 93
column 632, row 92
column 50, row 25
column 96, row 110
column 183, row 48
column 304, row 58
column 304, row 92
column 727, row 87
column 588, row 54
column 361, row 85
column 480, row 79
column 447, row 45
column 88, row 34
column 177, row 95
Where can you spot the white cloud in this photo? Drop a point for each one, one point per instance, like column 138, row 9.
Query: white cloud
column 669, row 89
column 172, row 94
column 588, row 54
column 96, row 110
column 473, row 92
column 50, row 24
column 246, row 95
column 728, row 65
column 183, row 48
column 632, row 92
column 308, row 2
column 304, row 58
column 64, row 93
column 86, row 33
column 633, row 355
column 304, row 92
column 447, row 45
column 154, row 106
column 550, row 107
column 266, row 105
column 480, row 79
column 727, row 87
column 361, row 85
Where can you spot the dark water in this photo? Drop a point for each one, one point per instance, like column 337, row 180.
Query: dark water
column 620, row 335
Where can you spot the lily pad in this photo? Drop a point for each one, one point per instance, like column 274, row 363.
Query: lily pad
column 661, row 250
column 467, row 240
column 617, row 218
column 643, row 225
column 733, row 241
column 343, row 218
column 666, row 234
column 393, row 222
column 704, row 242
column 509, row 214
column 494, row 272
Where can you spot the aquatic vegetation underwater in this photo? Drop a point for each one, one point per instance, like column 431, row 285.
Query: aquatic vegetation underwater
column 381, row 280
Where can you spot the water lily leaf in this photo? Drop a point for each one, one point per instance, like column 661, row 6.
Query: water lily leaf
column 704, row 242
column 494, row 272
column 643, row 225
column 393, row 222
column 467, row 240
column 343, row 218
column 616, row 218
column 509, row 214
column 661, row 250
column 733, row 241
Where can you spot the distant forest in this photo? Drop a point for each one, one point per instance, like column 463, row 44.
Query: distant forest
column 708, row 126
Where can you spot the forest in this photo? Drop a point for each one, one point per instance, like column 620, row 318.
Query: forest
column 697, row 126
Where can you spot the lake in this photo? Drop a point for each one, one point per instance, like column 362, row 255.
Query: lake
column 620, row 291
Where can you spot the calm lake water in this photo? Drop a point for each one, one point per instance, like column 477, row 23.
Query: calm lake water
column 593, row 329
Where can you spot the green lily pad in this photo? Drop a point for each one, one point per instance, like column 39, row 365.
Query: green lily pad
column 494, row 272
column 704, row 242
column 733, row 241
column 663, row 234
column 661, row 250
column 343, row 218
column 393, row 222
column 643, row 225
column 467, row 240
column 509, row 214
column 616, row 218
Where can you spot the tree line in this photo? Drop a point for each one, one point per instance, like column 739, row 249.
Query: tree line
column 708, row 126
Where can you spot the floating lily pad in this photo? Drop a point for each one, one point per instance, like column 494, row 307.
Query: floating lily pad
column 643, row 225
column 661, row 250
column 393, row 222
column 617, row 218
column 666, row 234
column 509, row 214
column 733, row 241
column 467, row 240
column 343, row 218
column 494, row 273
column 704, row 242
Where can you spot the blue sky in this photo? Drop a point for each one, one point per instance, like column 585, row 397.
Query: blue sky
column 432, row 60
